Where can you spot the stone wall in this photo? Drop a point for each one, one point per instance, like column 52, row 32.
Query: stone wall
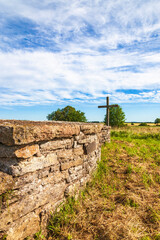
column 40, row 164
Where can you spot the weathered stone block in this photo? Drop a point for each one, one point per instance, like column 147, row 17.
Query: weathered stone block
column 30, row 202
column 76, row 175
column 87, row 168
column 90, row 147
column 18, row 152
column 78, row 168
column 43, row 174
column 78, row 150
column 55, row 168
column 56, row 144
column 87, row 139
column 24, row 132
column 6, row 134
column 33, row 183
column 60, row 176
column 91, row 128
column 65, row 154
column 71, row 189
column 6, row 182
column 67, row 165
column 17, row 168
column 27, row 151
column 24, row 227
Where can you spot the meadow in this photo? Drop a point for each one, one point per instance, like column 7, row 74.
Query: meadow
column 138, row 123
column 122, row 200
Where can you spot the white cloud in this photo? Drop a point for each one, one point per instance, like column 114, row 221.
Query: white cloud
column 125, row 20
column 82, row 68
column 44, row 76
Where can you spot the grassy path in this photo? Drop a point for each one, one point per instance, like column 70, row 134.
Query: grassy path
column 122, row 201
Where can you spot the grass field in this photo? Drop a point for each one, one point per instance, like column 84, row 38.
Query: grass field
column 138, row 123
column 122, row 200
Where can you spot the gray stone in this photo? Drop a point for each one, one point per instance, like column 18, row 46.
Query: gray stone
column 56, row 144
column 67, row 165
column 90, row 147
column 17, row 168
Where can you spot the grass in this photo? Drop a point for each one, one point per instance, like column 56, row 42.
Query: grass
column 39, row 236
column 5, row 197
column 138, row 123
column 122, row 200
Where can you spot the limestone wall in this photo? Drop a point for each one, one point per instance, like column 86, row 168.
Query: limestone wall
column 40, row 164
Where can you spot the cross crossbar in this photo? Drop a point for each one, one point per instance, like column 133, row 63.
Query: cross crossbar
column 105, row 106
column 107, row 109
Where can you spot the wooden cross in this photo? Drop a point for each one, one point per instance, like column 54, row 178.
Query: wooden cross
column 107, row 106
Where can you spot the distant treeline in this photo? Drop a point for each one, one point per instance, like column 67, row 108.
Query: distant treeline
column 139, row 122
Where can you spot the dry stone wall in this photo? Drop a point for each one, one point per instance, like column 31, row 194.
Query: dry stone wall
column 40, row 164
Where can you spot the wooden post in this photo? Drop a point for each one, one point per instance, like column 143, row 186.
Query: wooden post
column 107, row 112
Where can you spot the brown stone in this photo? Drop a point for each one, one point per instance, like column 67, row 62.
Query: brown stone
column 78, row 151
column 24, row 132
column 19, row 152
column 87, row 139
column 76, row 174
column 91, row 128
column 65, row 154
column 6, row 135
column 56, row 144
column 17, row 168
column 27, row 151
column 42, row 178
column 41, row 196
column 31, row 223
column 24, row 227
column 72, row 189
column 6, row 182
column 90, row 147
column 6, row 152
column 67, row 165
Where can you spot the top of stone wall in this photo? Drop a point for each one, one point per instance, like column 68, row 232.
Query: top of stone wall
column 17, row 132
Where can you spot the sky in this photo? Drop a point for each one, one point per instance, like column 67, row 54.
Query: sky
column 55, row 53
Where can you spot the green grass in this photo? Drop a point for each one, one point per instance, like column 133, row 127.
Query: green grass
column 39, row 236
column 157, row 236
column 63, row 216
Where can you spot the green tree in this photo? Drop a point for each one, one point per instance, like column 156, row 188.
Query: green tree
column 67, row 114
column 157, row 121
column 116, row 117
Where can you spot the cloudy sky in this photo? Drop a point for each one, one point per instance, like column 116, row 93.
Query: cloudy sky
column 55, row 53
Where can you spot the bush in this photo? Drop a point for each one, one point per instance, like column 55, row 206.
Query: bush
column 157, row 121
column 143, row 124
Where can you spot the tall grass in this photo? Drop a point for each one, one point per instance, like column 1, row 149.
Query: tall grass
column 130, row 134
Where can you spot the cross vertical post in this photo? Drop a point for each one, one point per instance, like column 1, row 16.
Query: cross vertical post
column 107, row 111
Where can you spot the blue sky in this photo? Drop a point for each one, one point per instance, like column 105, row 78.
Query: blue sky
column 64, row 52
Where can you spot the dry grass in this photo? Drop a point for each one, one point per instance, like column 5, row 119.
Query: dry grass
column 138, row 129
column 122, row 201
column 138, row 123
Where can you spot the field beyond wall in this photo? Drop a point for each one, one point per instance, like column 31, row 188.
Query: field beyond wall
column 122, row 201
